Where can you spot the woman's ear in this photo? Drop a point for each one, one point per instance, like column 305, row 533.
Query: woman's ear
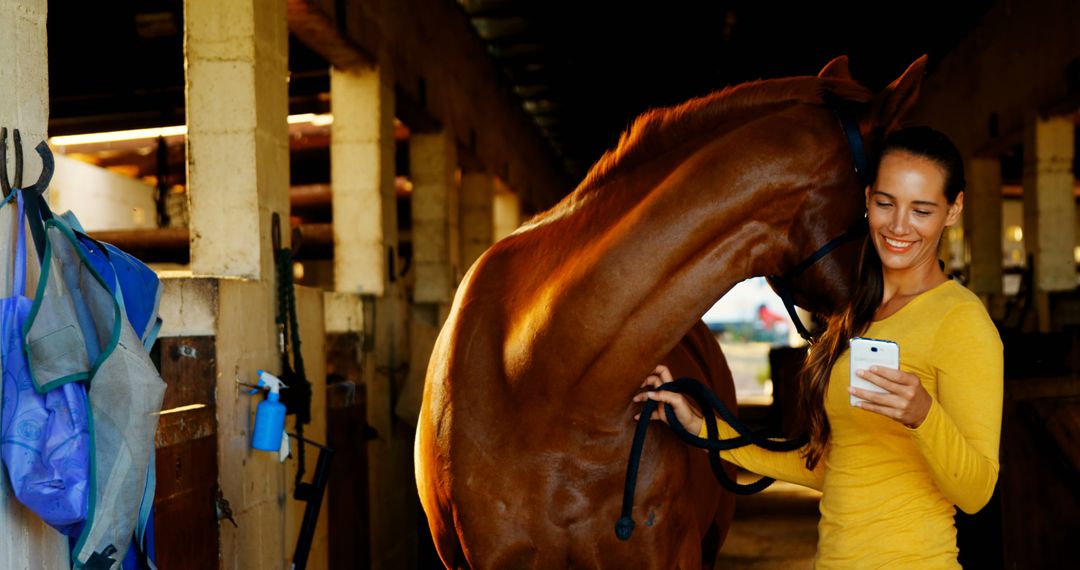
column 955, row 209
column 868, row 197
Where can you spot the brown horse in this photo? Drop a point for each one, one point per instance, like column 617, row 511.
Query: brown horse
column 526, row 422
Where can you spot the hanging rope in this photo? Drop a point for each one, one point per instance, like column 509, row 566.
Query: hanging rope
column 707, row 402
column 297, row 396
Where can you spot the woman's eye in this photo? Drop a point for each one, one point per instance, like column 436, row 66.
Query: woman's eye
column 922, row 212
column 883, row 204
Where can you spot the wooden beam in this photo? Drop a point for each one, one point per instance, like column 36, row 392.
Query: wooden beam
column 320, row 33
column 414, row 113
column 444, row 78
column 311, row 241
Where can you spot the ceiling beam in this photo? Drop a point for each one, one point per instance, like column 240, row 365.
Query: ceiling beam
column 443, row 78
column 320, row 33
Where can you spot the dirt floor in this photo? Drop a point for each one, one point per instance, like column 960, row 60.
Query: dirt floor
column 775, row 529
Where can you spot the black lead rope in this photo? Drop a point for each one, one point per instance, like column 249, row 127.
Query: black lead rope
column 707, row 402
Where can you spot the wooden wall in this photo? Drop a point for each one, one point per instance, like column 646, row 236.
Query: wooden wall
column 1040, row 481
column 186, row 523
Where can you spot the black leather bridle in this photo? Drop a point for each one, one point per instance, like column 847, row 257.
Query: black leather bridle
column 783, row 283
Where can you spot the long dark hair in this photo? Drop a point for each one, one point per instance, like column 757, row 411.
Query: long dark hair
column 856, row 317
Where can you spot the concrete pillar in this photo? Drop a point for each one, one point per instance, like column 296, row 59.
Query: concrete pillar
column 436, row 239
column 477, row 216
column 362, row 179
column 365, row 238
column 25, row 541
column 435, row 216
column 507, row 210
column 237, row 145
column 982, row 220
column 24, row 70
column 1049, row 207
column 238, row 177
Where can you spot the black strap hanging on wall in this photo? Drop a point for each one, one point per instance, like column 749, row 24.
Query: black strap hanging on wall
column 297, row 399
column 297, row 396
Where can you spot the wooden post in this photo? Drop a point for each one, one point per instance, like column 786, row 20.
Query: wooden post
column 477, row 216
column 25, row 541
column 366, row 261
column 436, row 251
column 1049, row 208
column 982, row 218
column 507, row 210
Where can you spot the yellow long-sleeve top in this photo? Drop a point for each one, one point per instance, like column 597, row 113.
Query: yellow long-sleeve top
column 888, row 491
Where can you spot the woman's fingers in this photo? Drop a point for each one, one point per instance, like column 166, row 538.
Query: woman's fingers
column 687, row 415
column 659, row 396
column 907, row 401
column 665, row 397
column 652, row 381
column 875, row 397
column 904, row 385
column 886, row 411
column 876, row 379
column 660, row 375
column 896, row 377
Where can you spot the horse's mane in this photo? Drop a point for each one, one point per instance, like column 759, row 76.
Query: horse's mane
column 658, row 130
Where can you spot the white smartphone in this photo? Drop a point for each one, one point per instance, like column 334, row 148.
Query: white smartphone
column 867, row 352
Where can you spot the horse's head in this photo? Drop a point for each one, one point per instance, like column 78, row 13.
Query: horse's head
column 822, row 262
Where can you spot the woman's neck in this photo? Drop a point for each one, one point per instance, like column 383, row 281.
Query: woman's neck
column 909, row 282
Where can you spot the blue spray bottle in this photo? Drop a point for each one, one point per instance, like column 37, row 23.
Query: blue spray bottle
column 270, row 415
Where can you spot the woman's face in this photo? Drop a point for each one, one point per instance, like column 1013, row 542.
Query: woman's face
column 907, row 210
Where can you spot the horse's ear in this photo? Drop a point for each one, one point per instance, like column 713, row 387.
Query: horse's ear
column 892, row 103
column 836, row 69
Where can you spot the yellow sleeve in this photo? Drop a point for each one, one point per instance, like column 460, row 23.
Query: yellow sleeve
column 787, row 466
column 960, row 436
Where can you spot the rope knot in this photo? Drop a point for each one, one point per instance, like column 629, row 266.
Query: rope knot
column 624, row 528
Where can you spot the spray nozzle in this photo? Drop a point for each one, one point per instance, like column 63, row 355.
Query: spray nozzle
column 269, row 382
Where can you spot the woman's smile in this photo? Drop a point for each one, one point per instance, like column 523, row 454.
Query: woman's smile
column 896, row 245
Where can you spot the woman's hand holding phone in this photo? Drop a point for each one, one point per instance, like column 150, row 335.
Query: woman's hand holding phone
column 903, row 397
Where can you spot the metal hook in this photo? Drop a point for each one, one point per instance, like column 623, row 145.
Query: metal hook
column 18, row 159
column 275, row 234
column 47, row 164
column 47, row 167
column 4, row 184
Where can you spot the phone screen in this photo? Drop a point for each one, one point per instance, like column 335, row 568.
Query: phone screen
column 867, row 352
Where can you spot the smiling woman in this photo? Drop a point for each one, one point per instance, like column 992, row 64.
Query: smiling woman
column 892, row 469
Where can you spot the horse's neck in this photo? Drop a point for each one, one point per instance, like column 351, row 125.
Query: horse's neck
column 621, row 274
